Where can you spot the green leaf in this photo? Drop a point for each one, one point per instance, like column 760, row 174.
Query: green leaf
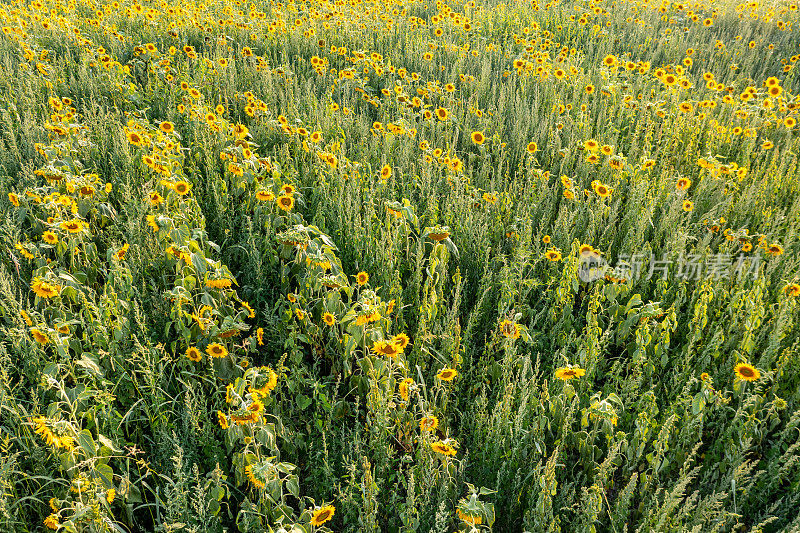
column 303, row 401
column 86, row 442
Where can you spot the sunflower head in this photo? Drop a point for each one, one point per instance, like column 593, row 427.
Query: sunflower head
column 447, row 374
column 746, row 372
column 193, row 354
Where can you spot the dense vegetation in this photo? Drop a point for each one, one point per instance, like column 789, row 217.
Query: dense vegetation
column 399, row 266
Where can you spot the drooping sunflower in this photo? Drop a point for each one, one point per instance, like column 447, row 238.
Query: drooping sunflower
column 248, row 470
column 39, row 337
column 567, row 373
column 447, row 374
column 403, row 388
column 264, row 196
column 322, row 515
column 468, row 518
column 746, row 372
column 216, row 350
column 43, row 289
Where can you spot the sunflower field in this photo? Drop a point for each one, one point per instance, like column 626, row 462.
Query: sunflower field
column 407, row 265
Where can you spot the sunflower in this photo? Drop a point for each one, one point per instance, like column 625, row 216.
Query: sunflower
column 568, row 373
column 72, row 226
column 248, row 471
column 429, row 423
column 775, row 249
column 155, row 198
column 688, row 206
column 683, row 184
column 49, row 237
column 404, row 387
column 746, row 372
column 285, row 202
column 401, row 339
column 44, row 289
column 603, row 190
column 329, row 319
column 386, row 172
column 439, row 235
column 51, row 521
column 134, row 138
column 442, row 114
column 509, row 329
column 793, row 290
column 182, row 188
column 194, row 354
column 478, row 137
column 447, row 374
column 322, row 515
column 264, row 196
column 443, row 448
column 362, row 278
column 468, row 518
column 40, row 337
column 553, row 255
column 216, row 350
column 389, row 349
column 120, row 255
column 14, row 199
